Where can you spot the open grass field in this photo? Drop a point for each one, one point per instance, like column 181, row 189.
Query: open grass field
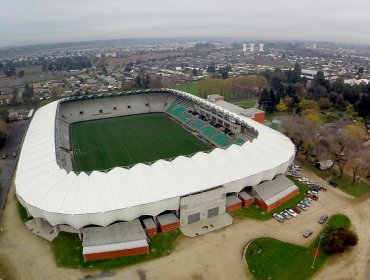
column 345, row 184
column 67, row 249
column 191, row 88
column 124, row 141
column 269, row 258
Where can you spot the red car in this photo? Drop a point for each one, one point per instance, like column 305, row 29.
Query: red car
column 313, row 197
column 297, row 210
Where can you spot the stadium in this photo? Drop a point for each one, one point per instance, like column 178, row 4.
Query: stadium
column 115, row 168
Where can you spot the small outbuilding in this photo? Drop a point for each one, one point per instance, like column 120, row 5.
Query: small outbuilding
column 271, row 194
column 168, row 222
column 150, row 227
column 233, row 203
column 117, row 240
column 245, row 198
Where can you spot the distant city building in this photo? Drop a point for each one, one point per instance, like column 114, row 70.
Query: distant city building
column 251, row 47
column 244, row 47
column 353, row 82
column 261, row 47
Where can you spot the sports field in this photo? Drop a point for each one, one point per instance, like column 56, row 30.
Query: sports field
column 123, row 141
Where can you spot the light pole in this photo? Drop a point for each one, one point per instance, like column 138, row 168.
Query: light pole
column 318, row 247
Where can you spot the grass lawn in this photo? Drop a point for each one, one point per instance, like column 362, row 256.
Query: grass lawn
column 269, row 258
column 245, row 104
column 324, row 174
column 22, row 212
column 43, row 102
column 124, row 141
column 191, row 88
column 257, row 213
column 67, row 249
column 30, row 70
column 345, row 184
column 334, row 114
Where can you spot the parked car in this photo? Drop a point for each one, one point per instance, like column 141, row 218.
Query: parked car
column 313, row 197
column 302, row 206
column 333, row 184
column 315, row 189
column 3, row 156
column 303, row 180
column 297, row 210
column 285, row 215
column 308, row 233
column 311, row 183
column 313, row 193
column 291, row 212
column 14, row 154
column 305, row 203
column 323, row 219
column 277, row 218
column 280, row 217
column 308, row 199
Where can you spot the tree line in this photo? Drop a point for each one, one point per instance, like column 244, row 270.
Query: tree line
column 290, row 89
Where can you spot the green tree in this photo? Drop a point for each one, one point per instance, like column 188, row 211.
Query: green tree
column 262, row 101
column 4, row 113
column 21, row 73
column 3, row 132
column 211, row 68
column 271, row 102
column 142, row 80
column 363, row 106
column 338, row 240
column 28, row 91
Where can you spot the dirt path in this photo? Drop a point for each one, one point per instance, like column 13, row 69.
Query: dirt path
column 216, row 255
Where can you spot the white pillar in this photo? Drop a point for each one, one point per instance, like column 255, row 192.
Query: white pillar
column 38, row 222
column 56, row 229
column 28, row 213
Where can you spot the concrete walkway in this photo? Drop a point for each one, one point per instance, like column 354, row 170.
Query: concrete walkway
column 205, row 226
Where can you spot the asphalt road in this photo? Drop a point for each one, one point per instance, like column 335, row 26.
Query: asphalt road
column 16, row 133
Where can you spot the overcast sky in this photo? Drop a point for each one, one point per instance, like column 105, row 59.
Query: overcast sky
column 47, row 21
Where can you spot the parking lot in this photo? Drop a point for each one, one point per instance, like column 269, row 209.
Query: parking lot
column 311, row 197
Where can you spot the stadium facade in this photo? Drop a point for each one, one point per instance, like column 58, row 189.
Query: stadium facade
column 194, row 187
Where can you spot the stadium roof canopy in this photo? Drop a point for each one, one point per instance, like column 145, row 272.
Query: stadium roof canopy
column 100, row 198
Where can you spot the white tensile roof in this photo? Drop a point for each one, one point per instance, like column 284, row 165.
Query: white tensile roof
column 100, row 198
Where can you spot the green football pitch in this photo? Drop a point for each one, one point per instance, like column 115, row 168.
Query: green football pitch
column 124, row 141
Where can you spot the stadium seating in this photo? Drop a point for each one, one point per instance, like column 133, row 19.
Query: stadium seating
column 239, row 141
column 208, row 130
column 221, row 139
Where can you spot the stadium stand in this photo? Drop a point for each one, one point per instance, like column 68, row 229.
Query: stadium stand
column 192, row 188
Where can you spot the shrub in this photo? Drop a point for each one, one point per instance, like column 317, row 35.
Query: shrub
column 338, row 240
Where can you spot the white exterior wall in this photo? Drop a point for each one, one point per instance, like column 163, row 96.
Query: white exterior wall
column 201, row 203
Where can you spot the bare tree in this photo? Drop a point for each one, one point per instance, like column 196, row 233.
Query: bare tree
column 360, row 164
column 302, row 132
column 345, row 146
